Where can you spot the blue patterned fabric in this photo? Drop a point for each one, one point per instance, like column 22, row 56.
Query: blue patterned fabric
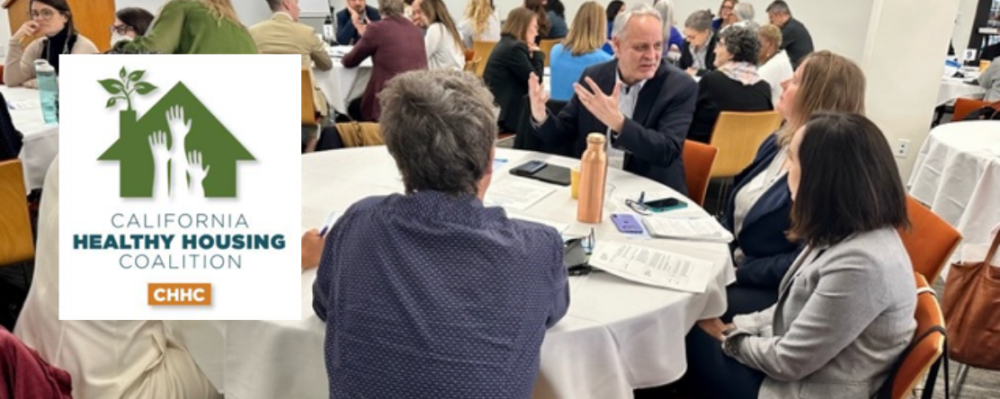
column 429, row 295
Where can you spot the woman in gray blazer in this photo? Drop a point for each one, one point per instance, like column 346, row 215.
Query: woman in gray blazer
column 845, row 309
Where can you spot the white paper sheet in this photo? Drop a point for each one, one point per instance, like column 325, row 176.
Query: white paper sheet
column 652, row 267
column 560, row 227
column 515, row 195
column 700, row 229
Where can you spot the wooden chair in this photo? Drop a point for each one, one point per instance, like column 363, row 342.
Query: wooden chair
column 546, row 46
column 930, row 240
column 698, row 160
column 310, row 115
column 737, row 135
column 964, row 106
column 925, row 352
column 16, row 238
column 484, row 49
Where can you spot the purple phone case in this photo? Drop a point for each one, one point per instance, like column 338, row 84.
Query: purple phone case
column 626, row 223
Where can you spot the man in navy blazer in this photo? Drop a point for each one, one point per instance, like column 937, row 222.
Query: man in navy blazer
column 351, row 21
column 645, row 113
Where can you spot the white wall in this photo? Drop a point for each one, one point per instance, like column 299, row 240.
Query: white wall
column 964, row 24
column 249, row 11
column 903, row 67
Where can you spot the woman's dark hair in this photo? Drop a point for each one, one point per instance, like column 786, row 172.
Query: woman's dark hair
column 63, row 7
column 742, row 43
column 614, row 8
column 139, row 19
column 557, row 7
column 849, row 182
column 543, row 20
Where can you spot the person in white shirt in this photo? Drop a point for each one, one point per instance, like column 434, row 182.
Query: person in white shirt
column 774, row 65
column 481, row 23
column 107, row 359
column 441, row 41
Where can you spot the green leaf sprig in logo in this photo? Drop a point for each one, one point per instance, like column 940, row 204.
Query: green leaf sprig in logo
column 122, row 89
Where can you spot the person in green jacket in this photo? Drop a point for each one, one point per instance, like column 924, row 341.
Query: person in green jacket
column 193, row 27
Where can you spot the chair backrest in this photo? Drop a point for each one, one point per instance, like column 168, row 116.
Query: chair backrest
column 698, row 160
column 737, row 135
column 483, row 49
column 930, row 241
column 964, row 106
column 360, row 134
column 309, row 116
column 546, row 46
column 924, row 353
column 16, row 242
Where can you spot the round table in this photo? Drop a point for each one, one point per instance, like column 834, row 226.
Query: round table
column 341, row 85
column 957, row 174
column 41, row 140
column 616, row 336
column 952, row 88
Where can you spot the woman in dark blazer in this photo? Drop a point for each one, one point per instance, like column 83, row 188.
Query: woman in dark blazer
column 395, row 44
column 514, row 58
column 698, row 34
column 759, row 205
column 733, row 86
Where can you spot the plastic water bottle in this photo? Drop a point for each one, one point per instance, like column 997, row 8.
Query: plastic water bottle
column 48, row 87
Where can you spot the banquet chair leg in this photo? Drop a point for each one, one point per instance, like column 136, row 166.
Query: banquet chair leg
column 963, row 371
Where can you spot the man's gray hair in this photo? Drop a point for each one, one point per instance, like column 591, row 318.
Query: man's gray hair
column 700, row 21
column 744, row 11
column 666, row 10
column 622, row 19
column 780, row 7
column 440, row 127
column 391, row 8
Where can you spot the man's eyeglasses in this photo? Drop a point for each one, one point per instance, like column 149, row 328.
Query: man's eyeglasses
column 44, row 15
column 121, row 29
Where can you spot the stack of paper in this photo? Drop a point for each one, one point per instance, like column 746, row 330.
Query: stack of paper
column 695, row 229
column 652, row 267
column 516, row 195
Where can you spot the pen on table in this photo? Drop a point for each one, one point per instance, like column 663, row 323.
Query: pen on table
column 642, row 197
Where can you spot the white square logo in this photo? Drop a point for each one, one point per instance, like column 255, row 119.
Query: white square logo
column 179, row 187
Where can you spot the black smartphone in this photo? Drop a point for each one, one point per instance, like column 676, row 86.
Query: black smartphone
column 665, row 204
column 529, row 168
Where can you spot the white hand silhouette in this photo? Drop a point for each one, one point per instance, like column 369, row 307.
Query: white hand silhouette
column 179, row 128
column 161, row 159
column 196, row 173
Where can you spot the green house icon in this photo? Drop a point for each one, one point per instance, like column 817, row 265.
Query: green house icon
column 220, row 150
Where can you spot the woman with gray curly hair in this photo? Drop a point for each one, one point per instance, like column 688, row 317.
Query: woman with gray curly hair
column 734, row 85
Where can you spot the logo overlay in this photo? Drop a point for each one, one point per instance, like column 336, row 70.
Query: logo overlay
column 180, row 188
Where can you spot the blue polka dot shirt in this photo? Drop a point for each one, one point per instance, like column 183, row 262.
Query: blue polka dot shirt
column 434, row 296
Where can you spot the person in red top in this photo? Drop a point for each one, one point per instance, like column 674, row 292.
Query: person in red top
column 395, row 44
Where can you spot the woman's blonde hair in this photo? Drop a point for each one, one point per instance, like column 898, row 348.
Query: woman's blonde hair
column 589, row 29
column 517, row 23
column 222, row 8
column 771, row 33
column 479, row 12
column 830, row 83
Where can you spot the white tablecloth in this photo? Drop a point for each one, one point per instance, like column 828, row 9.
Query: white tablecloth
column 958, row 175
column 41, row 141
column 952, row 88
column 340, row 85
column 616, row 336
